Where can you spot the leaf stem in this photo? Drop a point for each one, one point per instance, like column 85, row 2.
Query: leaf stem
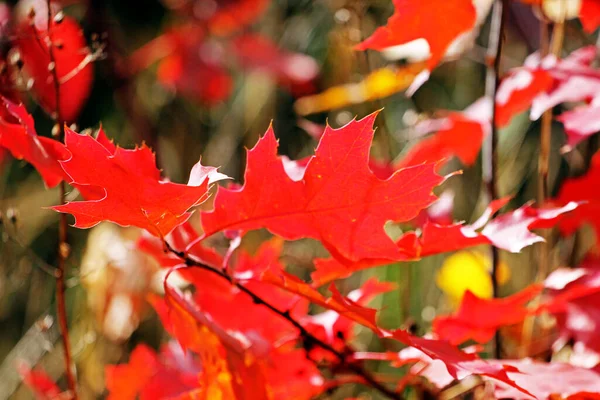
column 63, row 245
column 490, row 153
column 307, row 336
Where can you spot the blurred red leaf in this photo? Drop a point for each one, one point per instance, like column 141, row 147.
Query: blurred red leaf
column 40, row 383
column 24, row 143
column 415, row 19
column 582, row 189
column 152, row 376
column 72, row 61
column 590, row 15
column 580, row 123
column 457, row 363
column 221, row 17
column 295, row 70
column 548, row 380
column 336, row 191
column 509, row 231
column 518, row 90
column 574, row 299
column 127, row 189
column 478, row 319
column 457, row 135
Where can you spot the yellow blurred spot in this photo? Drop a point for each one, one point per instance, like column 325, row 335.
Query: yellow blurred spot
column 378, row 84
column 469, row 270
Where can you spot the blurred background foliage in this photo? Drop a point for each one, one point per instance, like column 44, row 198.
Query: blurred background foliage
column 135, row 107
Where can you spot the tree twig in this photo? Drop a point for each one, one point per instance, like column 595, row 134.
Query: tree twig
column 63, row 245
column 543, row 191
column 490, row 151
column 307, row 336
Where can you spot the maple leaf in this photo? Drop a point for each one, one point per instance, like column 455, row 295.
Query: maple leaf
column 580, row 123
column 582, row 189
column 574, row 79
column 589, row 15
column 540, row 379
column 510, row 231
column 40, row 383
column 152, row 376
column 294, row 70
column 522, row 379
column 414, row 19
column 518, row 90
column 455, row 362
column 333, row 328
column 214, row 345
column 23, row 142
column 343, row 306
column 178, row 239
column 221, row 18
column 187, row 64
column 255, row 365
column 458, row 134
column 574, row 295
column 338, row 200
column 478, row 319
column 72, row 60
column 124, row 186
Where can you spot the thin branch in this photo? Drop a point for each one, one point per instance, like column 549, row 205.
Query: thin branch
column 307, row 336
column 543, row 192
column 490, row 153
column 63, row 245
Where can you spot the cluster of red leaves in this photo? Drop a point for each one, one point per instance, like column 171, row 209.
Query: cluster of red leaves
column 195, row 58
column 338, row 197
column 317, row 201
column 45, row 48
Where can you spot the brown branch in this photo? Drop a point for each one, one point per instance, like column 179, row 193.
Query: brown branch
column 543, row 191
column 490, row 154
column 308, row 338
column 63, row 245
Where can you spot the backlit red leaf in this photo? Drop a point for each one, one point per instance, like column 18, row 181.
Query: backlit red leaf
column 338, row 200
column 124, row 186
column 582, row 189
column 23, row 142
column 415, row 19
column 72, row 61
column 478, row 319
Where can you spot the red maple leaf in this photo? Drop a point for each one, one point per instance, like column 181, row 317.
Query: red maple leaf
column 574, row 298
column 457, row 363
column 548, row 380
column 459, row 134
column 40, row 383
column 582, row 189
column 71, row 56
column 478, row 319
column 415, row 19
column 337, row 330
column 510, row 231
column 518, row 90
column 221, row 17
column 580, row 123
column 338, row 200
column 24, row 143
column 124, row 186
column 589, row 15
column 294, row 70
column 153, row 376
